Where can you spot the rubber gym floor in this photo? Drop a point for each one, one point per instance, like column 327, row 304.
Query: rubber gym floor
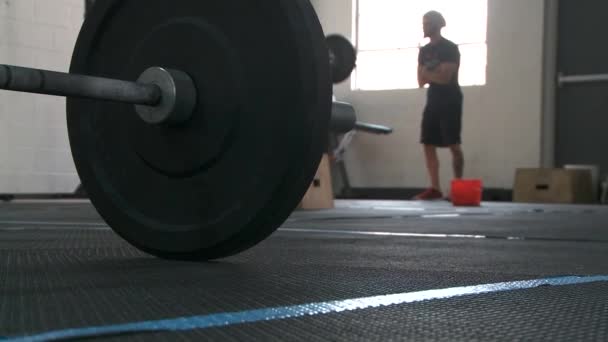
column 364, row 271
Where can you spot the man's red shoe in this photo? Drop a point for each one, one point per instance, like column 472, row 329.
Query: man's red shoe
column 429, row 195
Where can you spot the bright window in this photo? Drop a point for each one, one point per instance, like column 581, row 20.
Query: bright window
column 388, row 34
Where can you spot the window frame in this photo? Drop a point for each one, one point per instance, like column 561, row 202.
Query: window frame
column 356, row 26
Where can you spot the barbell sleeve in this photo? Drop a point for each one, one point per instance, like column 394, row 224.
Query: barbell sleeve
column 48, row 82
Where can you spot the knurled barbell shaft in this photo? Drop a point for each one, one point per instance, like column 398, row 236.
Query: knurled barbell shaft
column 47, row 82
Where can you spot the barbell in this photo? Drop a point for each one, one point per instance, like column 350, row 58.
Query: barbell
column 196, row 127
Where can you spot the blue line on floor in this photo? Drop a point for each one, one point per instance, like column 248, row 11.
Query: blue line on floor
column 311, row 309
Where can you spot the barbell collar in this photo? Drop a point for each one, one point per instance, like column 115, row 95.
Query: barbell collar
column 178, row 97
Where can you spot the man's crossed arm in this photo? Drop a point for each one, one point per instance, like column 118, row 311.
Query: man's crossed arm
column 442, row 74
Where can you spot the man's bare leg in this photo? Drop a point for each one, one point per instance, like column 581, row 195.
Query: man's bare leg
column 432, row 165
column 457, row 161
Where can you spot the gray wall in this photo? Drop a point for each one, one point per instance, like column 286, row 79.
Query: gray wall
column 34, row 148
column 502, row 127
column 502, row 120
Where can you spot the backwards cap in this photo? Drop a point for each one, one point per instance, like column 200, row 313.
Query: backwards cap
column 436, row 17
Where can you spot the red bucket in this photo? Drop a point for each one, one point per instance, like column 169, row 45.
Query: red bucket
column 466, row 192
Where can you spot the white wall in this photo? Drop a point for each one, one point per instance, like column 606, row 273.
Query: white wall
column 34, row 148
column 502, row 120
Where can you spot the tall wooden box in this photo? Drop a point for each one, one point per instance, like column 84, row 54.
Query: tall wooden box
column 320, row 195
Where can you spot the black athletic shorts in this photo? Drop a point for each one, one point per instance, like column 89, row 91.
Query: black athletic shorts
column 442, row 122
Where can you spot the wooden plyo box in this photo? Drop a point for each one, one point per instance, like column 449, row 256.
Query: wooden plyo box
column 541, row 185
column 320, row 194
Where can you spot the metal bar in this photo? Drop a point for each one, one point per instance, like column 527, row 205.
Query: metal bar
column 63, row 84
column 582, row 78
column 549, row 103
column 372, row 128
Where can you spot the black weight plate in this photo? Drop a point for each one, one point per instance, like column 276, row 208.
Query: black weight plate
column 228, row 177
column 344, row 57
column 318, row 81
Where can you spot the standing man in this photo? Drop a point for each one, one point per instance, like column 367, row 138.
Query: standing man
column 438, row 65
